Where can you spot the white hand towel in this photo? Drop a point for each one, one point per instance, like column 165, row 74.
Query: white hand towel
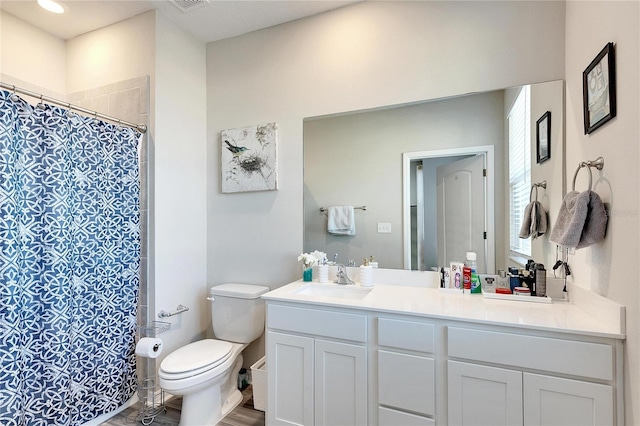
column 341, row 220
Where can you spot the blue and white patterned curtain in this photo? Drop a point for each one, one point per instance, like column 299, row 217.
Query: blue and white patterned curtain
column 69, row 264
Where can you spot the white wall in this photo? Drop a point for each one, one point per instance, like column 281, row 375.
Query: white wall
column 180, row 163
column 31, row 57
column 118, row 52
column 609, row 268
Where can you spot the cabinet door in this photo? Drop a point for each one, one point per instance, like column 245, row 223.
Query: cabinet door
column 481, row 395
column 289, row 379
column 564, row 402
column 340, row 384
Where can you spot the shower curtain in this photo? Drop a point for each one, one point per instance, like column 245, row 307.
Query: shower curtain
column 69, row 264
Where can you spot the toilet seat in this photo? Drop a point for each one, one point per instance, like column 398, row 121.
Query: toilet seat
column 195, row 358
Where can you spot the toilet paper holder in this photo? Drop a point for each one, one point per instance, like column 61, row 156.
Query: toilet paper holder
column 180, row 309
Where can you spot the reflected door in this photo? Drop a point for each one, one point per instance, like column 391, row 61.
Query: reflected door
column 462, row 211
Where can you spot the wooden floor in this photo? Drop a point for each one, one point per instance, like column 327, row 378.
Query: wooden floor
column 243, row 415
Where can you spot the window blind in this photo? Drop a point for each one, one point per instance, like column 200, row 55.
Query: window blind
column 519, row 169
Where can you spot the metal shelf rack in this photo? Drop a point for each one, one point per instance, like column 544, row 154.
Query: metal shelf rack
column 150, row 394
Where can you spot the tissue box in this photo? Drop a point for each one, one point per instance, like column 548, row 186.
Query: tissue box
column 488, row 282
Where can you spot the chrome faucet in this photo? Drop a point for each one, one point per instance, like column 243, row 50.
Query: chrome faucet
column 342, row 276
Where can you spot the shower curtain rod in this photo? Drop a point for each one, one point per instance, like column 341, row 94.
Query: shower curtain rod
column 142, row 128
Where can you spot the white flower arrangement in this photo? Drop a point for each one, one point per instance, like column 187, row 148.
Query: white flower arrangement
column 311, row 259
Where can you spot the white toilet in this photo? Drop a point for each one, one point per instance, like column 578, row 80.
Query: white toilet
column 205, row 373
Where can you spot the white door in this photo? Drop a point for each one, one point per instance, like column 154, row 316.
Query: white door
column 340, row 384
column 483, row 396
column 289, row 379
column 554, row 401
column 462, row 211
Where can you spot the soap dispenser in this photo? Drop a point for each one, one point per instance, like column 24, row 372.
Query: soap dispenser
column 366, row 274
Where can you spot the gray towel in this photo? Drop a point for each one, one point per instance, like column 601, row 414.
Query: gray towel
column 582, row 220
column 595, row 226
column 534, row 223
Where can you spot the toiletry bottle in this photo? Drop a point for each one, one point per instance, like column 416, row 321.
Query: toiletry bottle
column 514, row 279
column 531, row 267
column 470, row 273
column 476, row 284
column 503, row 279
column 366, row 274
column 466, row 274
column 541, row 280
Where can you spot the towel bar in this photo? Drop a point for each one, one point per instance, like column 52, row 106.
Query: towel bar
column 598, row 163
column 180, row 309
column 324, row 209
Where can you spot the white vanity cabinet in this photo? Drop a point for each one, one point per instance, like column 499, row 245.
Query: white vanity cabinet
column 408, row 356
column 317, row 367
column 575, row 389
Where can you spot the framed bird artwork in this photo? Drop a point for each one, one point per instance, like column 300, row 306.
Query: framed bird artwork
column 249, row 158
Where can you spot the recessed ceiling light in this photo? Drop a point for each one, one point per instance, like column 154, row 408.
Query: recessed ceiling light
column 51, row 6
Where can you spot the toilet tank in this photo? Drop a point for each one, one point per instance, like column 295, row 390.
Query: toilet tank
column 237, row 312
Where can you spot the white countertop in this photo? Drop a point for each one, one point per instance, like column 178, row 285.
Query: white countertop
column 433, row 303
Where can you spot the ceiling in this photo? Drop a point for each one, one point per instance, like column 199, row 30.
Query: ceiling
column 207, row 20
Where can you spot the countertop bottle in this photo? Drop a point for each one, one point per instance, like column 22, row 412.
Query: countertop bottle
column 503, row 279
column 514, row 278
column 470, row 273
column 541, row 280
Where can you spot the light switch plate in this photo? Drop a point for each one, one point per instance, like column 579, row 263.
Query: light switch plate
column 384, row 228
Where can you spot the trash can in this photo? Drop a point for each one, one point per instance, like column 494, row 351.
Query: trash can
column 259, row 383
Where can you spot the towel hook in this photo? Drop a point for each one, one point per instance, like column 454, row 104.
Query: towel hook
column 598, row 163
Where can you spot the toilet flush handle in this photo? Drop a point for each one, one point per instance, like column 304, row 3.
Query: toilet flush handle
column 211, row 298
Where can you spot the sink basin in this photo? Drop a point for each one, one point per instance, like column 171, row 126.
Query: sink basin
column 334, row 290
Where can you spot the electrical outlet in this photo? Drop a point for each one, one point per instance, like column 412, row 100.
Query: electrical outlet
column 384, row 228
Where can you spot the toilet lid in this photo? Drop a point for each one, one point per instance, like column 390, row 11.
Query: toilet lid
column 202, row 355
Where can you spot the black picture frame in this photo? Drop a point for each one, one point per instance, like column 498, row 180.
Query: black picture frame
column 599, row 89
column 543, row 137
